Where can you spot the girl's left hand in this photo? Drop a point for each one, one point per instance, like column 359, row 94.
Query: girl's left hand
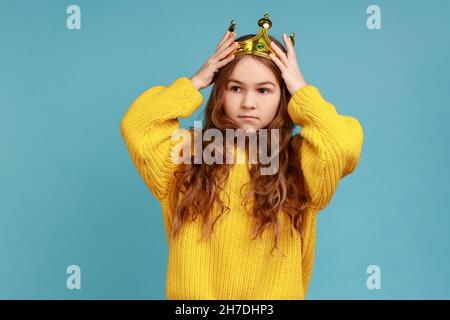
column 287, row 63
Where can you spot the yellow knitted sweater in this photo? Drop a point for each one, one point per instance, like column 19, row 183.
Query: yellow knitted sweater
column 231, row 265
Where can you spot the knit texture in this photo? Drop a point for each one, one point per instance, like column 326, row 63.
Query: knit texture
column 231, row 265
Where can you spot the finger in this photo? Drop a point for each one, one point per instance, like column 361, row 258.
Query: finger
column 224, row 61
column 226, row 42
column 220, row 50
column 226, row 51
column 278, row 62
column 290, row 47
column 225, row 37
column 280, row 53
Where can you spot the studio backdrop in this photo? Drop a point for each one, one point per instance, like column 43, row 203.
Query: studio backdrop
column 78, row 222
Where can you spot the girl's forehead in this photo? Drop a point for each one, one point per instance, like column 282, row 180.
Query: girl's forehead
column 251, row 71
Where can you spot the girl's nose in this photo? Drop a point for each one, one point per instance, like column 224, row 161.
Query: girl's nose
column 248, row 102
column 248, row 106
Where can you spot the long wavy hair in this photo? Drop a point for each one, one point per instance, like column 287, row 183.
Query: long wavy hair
column 198, row 185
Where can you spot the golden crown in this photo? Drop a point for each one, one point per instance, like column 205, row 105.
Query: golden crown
column 258, row 45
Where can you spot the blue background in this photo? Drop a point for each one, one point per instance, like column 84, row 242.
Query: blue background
column 71, row 195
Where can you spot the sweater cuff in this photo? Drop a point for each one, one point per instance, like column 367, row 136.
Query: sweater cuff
column 306, row 102
column 184, row 97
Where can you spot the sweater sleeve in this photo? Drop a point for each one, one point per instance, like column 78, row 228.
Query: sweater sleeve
column 147, row 129
column 329, row 144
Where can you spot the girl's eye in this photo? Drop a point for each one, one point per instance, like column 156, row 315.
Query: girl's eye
column 262, row 90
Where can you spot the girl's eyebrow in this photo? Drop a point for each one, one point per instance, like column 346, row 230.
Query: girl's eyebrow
column 259, row 83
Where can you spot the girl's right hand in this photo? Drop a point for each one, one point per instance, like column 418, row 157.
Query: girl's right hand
column 220, row 58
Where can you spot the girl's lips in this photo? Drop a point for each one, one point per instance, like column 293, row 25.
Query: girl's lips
column 248, row 118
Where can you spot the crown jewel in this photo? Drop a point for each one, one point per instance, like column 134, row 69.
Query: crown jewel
column 258, row 45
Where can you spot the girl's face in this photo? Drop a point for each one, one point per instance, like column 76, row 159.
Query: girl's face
column 252, row 91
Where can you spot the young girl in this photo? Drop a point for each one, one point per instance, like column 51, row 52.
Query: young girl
column 223, row 221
